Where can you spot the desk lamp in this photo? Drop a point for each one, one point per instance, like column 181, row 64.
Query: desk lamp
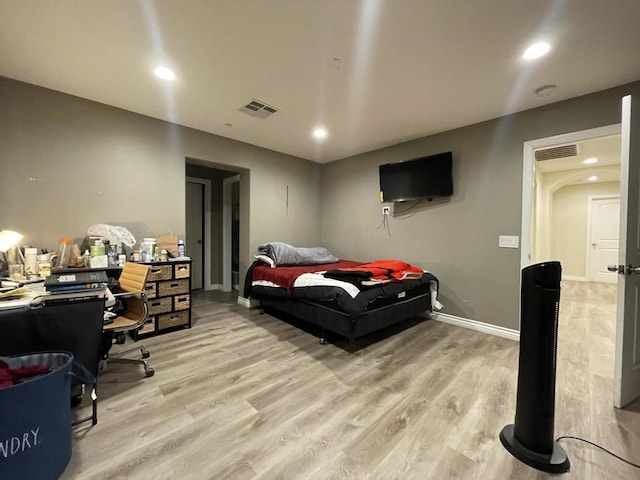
column 8, row 239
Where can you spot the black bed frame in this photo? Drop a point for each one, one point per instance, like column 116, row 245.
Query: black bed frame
column 342, row 323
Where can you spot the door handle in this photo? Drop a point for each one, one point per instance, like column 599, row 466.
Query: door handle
column 631, row 269
column 199, row 241
column 621, row 269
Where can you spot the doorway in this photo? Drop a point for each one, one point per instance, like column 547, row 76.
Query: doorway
column 197, row 228
column 231, row 233
column 566, row 180
column 570, row 187
column 216, row 216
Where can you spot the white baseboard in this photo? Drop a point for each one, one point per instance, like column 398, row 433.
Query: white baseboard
column 478, row 326
column 575, row 278
column 248, row 302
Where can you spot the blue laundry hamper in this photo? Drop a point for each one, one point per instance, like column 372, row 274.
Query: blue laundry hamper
column 35, row 418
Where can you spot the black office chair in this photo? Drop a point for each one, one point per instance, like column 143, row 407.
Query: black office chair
column 132, row 282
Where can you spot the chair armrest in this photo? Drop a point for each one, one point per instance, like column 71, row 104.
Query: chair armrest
column 130, row 294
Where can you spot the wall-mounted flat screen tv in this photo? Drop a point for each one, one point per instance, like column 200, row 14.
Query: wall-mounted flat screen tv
column 424, row 177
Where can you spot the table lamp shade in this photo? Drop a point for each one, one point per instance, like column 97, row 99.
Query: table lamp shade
column 8, row 239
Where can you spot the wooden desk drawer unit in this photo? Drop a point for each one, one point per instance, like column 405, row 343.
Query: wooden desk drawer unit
column 168, row 292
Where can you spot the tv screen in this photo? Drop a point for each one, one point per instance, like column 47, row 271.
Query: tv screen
column 424, row 177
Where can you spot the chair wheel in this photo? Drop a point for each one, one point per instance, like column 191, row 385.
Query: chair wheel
column 323, row 341
column 146, row 354
column 150, row 372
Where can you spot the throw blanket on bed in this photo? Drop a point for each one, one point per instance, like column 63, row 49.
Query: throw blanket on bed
column 285, row 276
column 375, row 273
column 285, row 254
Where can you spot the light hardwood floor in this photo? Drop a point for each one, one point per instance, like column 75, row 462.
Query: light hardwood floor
column 247, row 396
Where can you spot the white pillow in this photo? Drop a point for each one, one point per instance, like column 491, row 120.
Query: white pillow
column 265, row 259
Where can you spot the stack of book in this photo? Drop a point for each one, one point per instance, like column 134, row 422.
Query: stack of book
column 76, row 282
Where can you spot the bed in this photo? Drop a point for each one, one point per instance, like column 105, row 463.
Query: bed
column 337, row 296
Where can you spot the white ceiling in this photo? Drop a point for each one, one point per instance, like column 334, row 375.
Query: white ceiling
column 406, row 69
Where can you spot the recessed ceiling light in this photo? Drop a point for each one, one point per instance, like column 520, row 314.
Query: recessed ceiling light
column 320, row 132
column 590, row 160
column 592, row 178
column 164, row 73
column 536, row 50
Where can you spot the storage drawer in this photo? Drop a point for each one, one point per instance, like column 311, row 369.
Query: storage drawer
column 150, row 290
column 160, row 272
column 168, row 320
column 182, row 302
column 148, row 327
column 182, row 270
column 159, row 305
column 173, row 287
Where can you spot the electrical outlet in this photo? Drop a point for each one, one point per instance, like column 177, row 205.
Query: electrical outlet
column 508, row 241
column 386, row 210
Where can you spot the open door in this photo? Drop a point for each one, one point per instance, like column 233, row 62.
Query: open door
column 627, row 365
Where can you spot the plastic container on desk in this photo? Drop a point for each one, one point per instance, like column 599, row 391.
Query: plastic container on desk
column 64, row 251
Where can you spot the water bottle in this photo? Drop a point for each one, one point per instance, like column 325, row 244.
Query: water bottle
column 112, row 256
column 180, row 248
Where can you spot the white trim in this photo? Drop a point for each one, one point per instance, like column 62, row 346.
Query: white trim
column 206, row 260
column 248, row 302
column 226, row 231
column 478, row 326
column 574, row 278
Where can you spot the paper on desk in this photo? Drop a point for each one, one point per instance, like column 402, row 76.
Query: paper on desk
column 14, row 293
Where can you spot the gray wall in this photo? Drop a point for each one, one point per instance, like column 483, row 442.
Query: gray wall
column 457, row 239
column 67, row 163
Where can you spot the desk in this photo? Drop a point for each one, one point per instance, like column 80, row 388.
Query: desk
column 73, row 326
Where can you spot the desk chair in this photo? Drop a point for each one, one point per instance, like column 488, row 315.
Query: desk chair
column 132, row 282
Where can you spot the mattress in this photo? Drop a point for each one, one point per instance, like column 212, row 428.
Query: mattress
column 309, row 283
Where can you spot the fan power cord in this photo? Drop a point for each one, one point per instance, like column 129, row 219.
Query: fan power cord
column 597, row 446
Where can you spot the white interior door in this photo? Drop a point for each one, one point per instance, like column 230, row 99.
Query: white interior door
column 604, row 240
column 195, row 230
column 627, row 365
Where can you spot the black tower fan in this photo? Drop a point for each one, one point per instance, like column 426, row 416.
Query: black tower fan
column 530, row 439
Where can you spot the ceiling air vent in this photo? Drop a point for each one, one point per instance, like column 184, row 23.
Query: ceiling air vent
column 562, row 151
column 258, row 108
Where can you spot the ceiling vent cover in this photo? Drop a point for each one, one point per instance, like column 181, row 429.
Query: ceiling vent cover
column 258, row 108
column 562, row 151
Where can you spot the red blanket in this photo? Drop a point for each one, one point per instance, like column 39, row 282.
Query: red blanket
column 380, row 271
column 285, row 276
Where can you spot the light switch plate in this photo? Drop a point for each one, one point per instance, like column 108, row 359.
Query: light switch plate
column 509, row 241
